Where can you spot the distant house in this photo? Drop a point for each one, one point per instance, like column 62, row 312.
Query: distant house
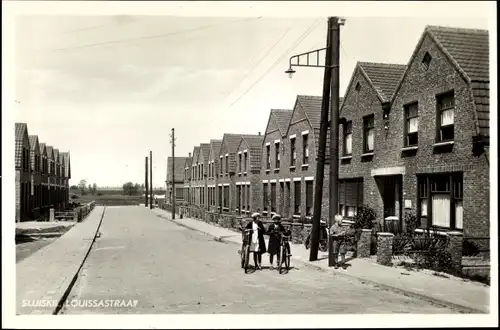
column 195, row 177
column 36, row 176
column 226, row 182
column 202, row 164
column 248, row 188
column 23, row 179
column 187, row 179
column 175, row 181
column 66, row 176
column 213, row 170
column 44, row 176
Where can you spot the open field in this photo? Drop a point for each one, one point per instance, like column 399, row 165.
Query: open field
column 110, row 200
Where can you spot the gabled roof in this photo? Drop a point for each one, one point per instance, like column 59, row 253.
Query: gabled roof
column 468, row 50
column 65, row 161
column 311, row 105
column 254, row 143
column 34, row 145
column 56, row 155
column 188, row 162
column 204, row 151
column 179, row 165
column 232, row 141
column 50, row 152
column 384, row 77
column 196, row 151
column 21, row 133
column 43, row 150
column 215, row 148
column 282, row 118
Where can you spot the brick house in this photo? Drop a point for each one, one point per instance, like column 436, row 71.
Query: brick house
column 248, row 183
column 57, row 180
column 194, row 177
column 226, row 183
column 178, row 179
column 367, row 96
column 213, row 170
column 61, row 181
column 66, row 175
column 36, row 176
column 23, row 178
column 272, row 169
column 430, row 145
column 44, row 177
column 187, row 178
column 299, row 159
column 203, row 157
column 51, row 176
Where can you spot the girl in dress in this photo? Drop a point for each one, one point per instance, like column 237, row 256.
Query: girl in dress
column 257, row 243
column 274, row 239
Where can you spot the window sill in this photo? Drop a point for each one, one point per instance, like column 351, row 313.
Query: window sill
column 296, row 216
column 305, row 165
column 239, row 174
column 292, row 167
column 368, row 154
column 268, row 170
column 445, row 143
column 410, row 148
column 346, row 157
column 276, row 170
column 244, row 173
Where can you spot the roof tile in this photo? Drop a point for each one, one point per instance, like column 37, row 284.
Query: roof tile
column 384, row 77
column 179, row 164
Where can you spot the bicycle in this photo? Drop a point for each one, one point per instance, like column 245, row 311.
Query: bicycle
column 284, row 255
column 245, row 248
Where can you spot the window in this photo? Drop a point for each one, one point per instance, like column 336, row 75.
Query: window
column 293, row 152
column 238, row 201
column 273, row 197
column 358, row 87
column 268, row 157
column 264, row 196
column 445, row 117
column 277, row 154
column 227, row 164
column 243, row 193
column 226, row 197
column 348, row 138
column 411, row 126
column 309, row 198
column 297, row 194
column 248, row 197
column 440, row 199
column 220, row 165
column 369, row 133
column 239, row 163
column 350, row 196
column 246, row 161
column 426, row 61
column 305, row 149
column 220, row 196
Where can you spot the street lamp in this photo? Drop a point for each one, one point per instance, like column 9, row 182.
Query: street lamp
column 290, row 72
column 331, row 81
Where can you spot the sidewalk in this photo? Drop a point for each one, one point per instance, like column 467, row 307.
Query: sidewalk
column 465, row 296
column 45, row 276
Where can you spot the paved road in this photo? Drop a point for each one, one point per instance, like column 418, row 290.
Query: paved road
column 171, row 269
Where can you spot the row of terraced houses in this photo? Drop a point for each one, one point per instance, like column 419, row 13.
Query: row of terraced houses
column 413, row 138
column 42, row 176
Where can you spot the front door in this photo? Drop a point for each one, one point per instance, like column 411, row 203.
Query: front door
column 392, row 197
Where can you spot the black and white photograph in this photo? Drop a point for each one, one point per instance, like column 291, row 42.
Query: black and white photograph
column 249, row 164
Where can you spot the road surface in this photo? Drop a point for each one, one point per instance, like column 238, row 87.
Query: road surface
column 171, row 269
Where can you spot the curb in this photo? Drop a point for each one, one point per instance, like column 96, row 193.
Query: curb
column 444, row 303
column 67, row 291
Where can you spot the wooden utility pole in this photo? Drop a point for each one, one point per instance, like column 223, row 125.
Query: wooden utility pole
column 173, row 173
column 146, row 195
column 151, row 179
column 334, row 133
column 320, row 164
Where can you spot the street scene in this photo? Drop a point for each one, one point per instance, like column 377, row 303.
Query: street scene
column 334, row 164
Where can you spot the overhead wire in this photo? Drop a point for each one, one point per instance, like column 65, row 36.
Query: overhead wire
column 121, row 41
column 260, row 61
column 297, row 42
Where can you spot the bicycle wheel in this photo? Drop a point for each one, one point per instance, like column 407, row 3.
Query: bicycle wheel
column 247, row 257
column 287, row 259
column 242, row 256
column 280, row 260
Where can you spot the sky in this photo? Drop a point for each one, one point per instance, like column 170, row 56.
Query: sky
column 109, row 88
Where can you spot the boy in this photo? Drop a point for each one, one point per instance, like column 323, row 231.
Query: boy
column 339, row 234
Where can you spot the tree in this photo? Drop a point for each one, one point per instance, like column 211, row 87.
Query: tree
column 89, row 189
column 94, row 189
column 82, row 186
column 128, row 188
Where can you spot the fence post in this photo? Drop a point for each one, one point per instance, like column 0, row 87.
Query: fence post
column 384, row 248
column 364, row 244
column 455, row 249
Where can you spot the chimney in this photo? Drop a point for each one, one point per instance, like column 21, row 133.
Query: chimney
column 259, row 133
column 189, row 155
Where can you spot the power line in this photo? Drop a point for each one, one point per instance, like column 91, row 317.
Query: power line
column 120, row 41
column 298, row 41
column 260, row 61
